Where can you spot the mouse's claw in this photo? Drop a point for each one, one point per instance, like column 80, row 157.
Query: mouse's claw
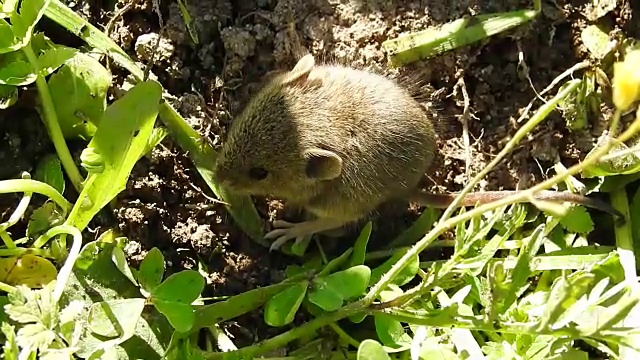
column 284, row 231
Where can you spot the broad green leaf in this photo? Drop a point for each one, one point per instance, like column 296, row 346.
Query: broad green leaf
column 29, row 270
column 7, row 39
column 49, row 171
column 180, row 315
column 577, row 220
column 406, row 275
column 126, row 127
column 120, row 261
column 17, row 73
column 183, row 287
column 347, row 284
column 8, row 96
column 79, row 91
column 391, row 332
column 237, row 305
column 360, row 246
column 23, row 23
column 326, row 299
column 151, row 270
column 51, row 59
column 115, row 318
column 44, row 218
column 102, row 281
column 371, row 350
column 335, row 263
column 281, row 309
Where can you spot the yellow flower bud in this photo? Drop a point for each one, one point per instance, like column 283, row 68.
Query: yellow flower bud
column 626, row 80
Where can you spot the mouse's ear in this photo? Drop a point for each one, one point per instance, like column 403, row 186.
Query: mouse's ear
column 301, row 70
column 322, row 164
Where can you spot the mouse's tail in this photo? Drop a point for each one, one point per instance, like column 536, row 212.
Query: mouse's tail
column 480, row 198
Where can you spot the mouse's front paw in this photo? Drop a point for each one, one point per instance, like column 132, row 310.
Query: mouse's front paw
column 284, row 231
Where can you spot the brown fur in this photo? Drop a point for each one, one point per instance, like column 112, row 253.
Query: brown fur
column 339, row 142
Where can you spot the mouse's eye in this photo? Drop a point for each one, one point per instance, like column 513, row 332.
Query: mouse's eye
column 258, row 173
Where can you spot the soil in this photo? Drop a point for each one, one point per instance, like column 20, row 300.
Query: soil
column 167, row 205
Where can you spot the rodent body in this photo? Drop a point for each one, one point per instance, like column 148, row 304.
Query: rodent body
column 335, row 140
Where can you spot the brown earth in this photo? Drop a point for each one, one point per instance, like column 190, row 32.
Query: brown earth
column 167, row 205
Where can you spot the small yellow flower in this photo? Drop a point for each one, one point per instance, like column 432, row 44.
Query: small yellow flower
column 626, row 80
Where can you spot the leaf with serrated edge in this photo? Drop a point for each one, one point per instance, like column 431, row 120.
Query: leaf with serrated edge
column 49, row 171
column 577, row 220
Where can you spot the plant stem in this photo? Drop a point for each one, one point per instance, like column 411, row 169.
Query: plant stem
column 50, row 119
column 521, row 196
column 24, row 185
column 540, row 115
column 65, row 271
column 277, row 341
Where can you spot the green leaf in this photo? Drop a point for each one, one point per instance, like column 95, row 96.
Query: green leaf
column 17, row 73
column 44, row 218
column 10, row 347
column 115, row 318
column 281, row 309
column 126, row 128
column 183, row 287
column 626, row 164
column 391, row 332
column 120, row 261
column 151, row 270
column 52, row 59
column 180, row 315
column 237, row 305
column 326, row 300
column 79, row 92
column 102, row 281
column 8, row 96
column 330, row 291
column 360, row 246
column 523, row 270
column 406, row 275
column 577, row 220
column 49, row 171
column 371, row 350
column 22, row 24
column 92, row 250
column 30, row 270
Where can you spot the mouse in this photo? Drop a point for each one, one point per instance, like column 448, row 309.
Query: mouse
column 338, row 142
